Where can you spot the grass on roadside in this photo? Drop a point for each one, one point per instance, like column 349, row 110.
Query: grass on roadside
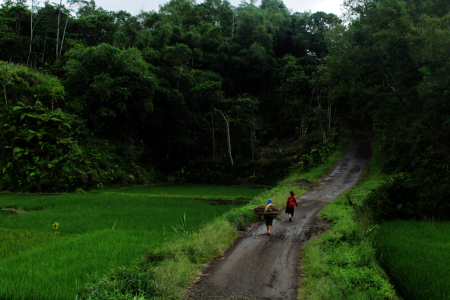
column 417, row 256
column 341, row 264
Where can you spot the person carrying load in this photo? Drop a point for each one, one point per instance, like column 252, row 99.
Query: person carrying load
column 268, row 218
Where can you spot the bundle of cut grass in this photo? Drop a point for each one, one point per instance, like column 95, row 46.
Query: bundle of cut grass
column 271, row 211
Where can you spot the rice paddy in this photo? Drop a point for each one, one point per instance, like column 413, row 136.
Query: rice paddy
column 417, row 256
column 95, row 233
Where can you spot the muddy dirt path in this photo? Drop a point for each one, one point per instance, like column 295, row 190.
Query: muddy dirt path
column 258, row 266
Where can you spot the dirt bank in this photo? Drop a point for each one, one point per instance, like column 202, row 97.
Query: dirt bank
column 258, row 266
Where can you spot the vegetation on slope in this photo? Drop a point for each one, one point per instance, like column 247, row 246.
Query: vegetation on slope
column 341, row 264
column 391, row 68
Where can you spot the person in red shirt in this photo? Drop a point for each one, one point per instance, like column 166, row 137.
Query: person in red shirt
column 291, row 203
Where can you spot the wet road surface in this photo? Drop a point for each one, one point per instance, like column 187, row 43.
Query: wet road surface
column 258, row 266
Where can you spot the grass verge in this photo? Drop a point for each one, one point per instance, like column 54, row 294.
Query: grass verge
column 341, row 264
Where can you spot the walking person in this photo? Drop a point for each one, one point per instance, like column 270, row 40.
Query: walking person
column 269, row 219
column 290, row 204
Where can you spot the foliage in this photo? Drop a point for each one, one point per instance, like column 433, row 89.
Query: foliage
column 28, row 86
column 41, row 151
column 392, row 67
column 37, row 144
column 394, row 199
column 264, row 172
column 111, row 88
column 8, row 74
column 162, row 77
column 341, row 263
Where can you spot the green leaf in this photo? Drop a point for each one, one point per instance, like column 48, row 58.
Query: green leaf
column 18, row 156
column 50, row 166
column 17, row 108
column 17, row 149
column 9, row 164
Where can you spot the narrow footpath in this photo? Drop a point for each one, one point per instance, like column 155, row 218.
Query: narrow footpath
column 258, row 266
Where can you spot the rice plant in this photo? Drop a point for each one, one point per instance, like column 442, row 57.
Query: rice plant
column 417, row 256
column 96, row 233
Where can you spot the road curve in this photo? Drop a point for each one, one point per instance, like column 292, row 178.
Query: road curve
column 258, row 266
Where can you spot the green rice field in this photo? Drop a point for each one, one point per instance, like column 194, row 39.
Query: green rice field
column 192, row 190
column 38, row 262
column 417, row 256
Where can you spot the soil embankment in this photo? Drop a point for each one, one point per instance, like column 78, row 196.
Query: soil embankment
column 258, row 266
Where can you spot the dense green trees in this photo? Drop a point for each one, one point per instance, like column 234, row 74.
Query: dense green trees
column 111, row 88
column 392, row 64
column 194, row 81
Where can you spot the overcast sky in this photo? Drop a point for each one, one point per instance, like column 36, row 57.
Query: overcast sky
column 134, row 6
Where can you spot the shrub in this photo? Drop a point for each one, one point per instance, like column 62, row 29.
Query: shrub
column 50, row 150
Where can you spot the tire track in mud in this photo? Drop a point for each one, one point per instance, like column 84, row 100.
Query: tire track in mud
column 258, row 266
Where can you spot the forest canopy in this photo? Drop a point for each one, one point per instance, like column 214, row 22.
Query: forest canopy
column 214, row 82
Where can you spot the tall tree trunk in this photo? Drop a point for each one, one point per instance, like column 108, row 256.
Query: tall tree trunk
column 4, row 92
column 329, row 112
column 232, row 26
column 252, row 136
column 31, row 27
column 228, row 134
column 64, row 34
column 179, row 75
column 43, row 52
column 57, row 29
column 168, row 151
column 213, row 139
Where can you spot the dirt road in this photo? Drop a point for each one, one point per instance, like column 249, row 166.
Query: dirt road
column 258, row 266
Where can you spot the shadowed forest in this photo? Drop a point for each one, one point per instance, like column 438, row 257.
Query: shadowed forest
column 202, row 92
